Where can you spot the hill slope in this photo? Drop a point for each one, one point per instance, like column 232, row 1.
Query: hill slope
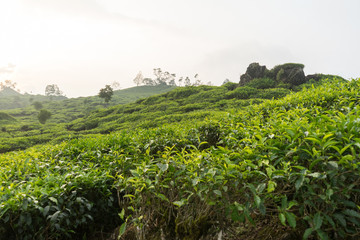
column 174, row 106
column 283, row 169
column 10, row 99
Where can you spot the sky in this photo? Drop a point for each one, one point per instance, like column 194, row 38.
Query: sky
column 82, row 45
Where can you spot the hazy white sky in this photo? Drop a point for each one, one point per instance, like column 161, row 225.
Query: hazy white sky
column 81, row 45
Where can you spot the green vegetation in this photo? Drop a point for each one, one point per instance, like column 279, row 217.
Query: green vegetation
column 43, row 116
column 6, row 117
column 106, row 93
column 195, row 162
column 15, row 100
column 76, row 117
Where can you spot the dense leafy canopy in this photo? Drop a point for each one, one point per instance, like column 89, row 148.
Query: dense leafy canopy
column 285, row 169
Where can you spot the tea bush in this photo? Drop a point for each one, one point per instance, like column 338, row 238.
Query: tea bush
column 282, row 169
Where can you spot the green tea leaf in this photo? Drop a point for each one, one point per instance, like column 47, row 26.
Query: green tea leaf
column 163, row 167
column 307, row 233
column 257, row 200
column 317, row 221
column 299, row 182
column 322, row 234
column 291, row 219
column 180, row 203
column 122, row 214
column 53, row 200
column 271, row 186
column 46, row 210
column 260, row 188
column 217, row 192
column 162, row 196
column 351, row 213
column 340, row 218
column 53, row 218
column 282, row 219
column 122, row 230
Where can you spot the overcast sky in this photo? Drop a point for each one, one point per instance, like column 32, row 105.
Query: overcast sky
column 82, row 45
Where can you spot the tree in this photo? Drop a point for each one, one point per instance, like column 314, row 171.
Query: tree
column 8, row 84
column 187, row 82
column 43, row 116
column 115, row 85
column 180, row 80
column 53, row 90
column 149, row 82
column 139, row 79
column 106, row 93
column 225, row 81
column 164, row 77
column 197, row 82
column 37, row 105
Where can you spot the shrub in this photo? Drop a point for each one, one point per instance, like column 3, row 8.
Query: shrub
column 242, row 93
column 230, row 85
column 262, row 83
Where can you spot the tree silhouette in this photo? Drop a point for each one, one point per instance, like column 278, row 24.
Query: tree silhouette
column 139, row 79
column 53, row 90
column 106, row 93
column 43, row 116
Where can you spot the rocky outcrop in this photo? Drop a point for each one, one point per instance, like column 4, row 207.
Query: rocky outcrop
column 254, row 70
column 319, row 76
column 289, row 73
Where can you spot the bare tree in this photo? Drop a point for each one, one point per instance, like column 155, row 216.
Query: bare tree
column 115, row 85
column 139, row 79
column 53, row 91
column 8, row 84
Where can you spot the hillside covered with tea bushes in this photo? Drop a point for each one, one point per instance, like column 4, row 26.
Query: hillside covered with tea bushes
column 20, row 127
column 280, row 169
column 74, row 118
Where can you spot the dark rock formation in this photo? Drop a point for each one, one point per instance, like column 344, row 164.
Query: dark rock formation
column 316, row 77
column 291, row 73
column 254, row 70
column 319, row 76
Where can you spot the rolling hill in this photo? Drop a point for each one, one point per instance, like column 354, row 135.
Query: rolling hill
column 283, row 169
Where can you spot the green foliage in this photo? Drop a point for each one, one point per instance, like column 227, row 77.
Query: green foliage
column 43, row 116
column 106, row 93
column 37, row 105
column 53, row 90
column 23, row 100
column 286, row 167
column 242, row 93
column 16, row 137
column 6, row 117
column 157, row 110
column 262, row 83
column 80, row 116
column 230, row 85
column 250, row 92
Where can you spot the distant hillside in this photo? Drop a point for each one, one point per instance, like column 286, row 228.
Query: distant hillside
column 10, row 99
column 83, row 116
column 6, row 117
column 173, row 106
column 187, row 103
column 6, row 92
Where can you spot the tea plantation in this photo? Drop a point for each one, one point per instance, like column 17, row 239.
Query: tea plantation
column 231, row 168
